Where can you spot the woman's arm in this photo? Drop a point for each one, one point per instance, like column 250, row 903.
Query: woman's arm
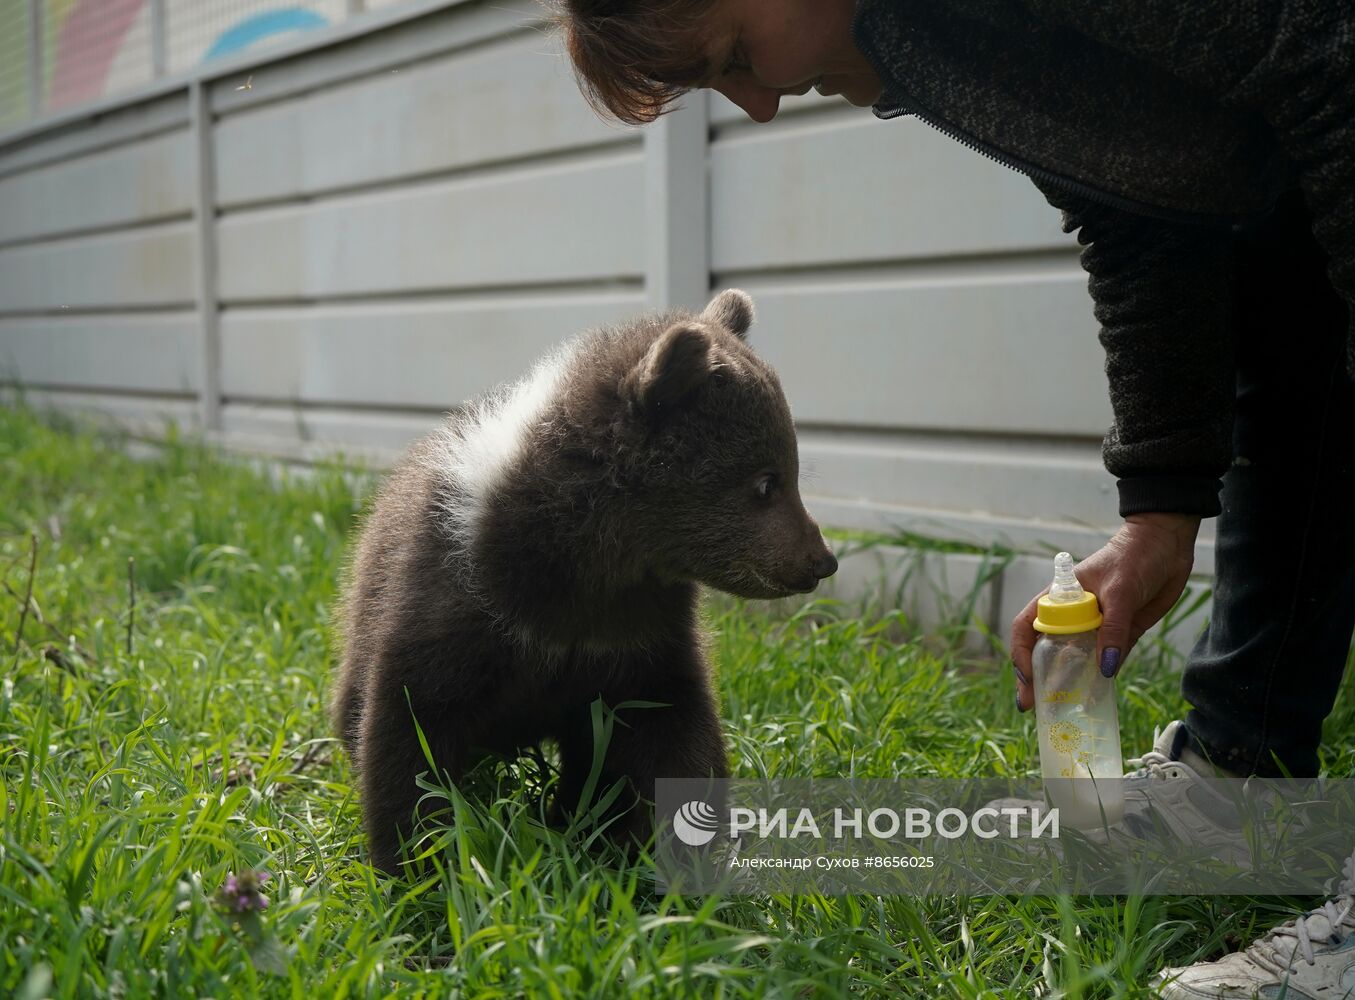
column 1163, row 295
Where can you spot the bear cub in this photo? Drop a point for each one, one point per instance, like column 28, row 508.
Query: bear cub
column 543, row 549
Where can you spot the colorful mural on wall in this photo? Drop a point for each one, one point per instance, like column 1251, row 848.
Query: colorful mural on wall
column 92, row 49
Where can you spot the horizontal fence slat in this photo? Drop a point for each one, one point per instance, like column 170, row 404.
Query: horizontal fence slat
column 144, row 267
column 499, row 103
column 128, row 184
column 148, row 353
column 140, row 414
column 1006, row 477
column 83, row 136
column 410, row 354
column 441, row 27
column 865, row 190
column 1017, row 356
column 373, row 438
column 558, row 225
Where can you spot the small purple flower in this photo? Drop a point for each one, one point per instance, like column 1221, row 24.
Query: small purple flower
column 240, row 893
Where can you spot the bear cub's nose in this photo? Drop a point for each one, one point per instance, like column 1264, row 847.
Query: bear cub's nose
column 825, row 566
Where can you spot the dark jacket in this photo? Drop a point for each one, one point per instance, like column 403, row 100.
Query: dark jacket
column 1160, row 128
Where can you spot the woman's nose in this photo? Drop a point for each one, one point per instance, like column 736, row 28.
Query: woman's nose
column 758, row 102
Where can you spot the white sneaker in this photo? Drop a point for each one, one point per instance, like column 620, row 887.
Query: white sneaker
column 1311, row 957
column 1177, row 789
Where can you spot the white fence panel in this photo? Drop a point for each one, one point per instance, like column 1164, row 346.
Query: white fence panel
column 149, row 353
column 135, row 268
column 412, row 354
column 496, row 104
column 838, row 188
column 963, row 354
column 140, row 183
column 547, row 225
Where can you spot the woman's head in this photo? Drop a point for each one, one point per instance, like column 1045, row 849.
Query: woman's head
column 634, row 58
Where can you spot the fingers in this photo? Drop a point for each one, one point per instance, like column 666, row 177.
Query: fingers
column 1136, row 576
column 1116, row 638
column 1152, row 558
column 1023, row 638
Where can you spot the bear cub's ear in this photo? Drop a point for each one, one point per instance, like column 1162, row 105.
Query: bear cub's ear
column 674, row 365
column 733, row 310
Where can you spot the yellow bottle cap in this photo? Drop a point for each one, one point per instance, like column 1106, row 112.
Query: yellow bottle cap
column 1062, row 617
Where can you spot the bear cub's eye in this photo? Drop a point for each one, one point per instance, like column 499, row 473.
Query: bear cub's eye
column 764, row 486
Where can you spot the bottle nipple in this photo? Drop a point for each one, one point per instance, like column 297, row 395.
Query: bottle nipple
column 1065, row 589
column 1067, row 607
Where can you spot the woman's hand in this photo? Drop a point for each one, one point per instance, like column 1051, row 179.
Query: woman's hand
column 1136, row 576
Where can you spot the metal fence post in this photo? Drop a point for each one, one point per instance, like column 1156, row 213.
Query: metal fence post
column 204, row 224
column 159, row 54
column 677, row 190
column 34, row 58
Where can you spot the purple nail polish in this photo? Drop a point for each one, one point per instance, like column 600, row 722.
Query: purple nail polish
column 1018, row 702
column 1019, row 676
column 1110, row 662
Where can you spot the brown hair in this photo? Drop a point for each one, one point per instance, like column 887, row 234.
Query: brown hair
column 634, row 58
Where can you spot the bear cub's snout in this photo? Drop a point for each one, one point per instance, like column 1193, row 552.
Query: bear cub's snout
column 543, row 549
column 825, row 565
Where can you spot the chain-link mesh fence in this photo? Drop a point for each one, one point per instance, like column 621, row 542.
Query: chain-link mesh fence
column 14, row 62
column 61, row 54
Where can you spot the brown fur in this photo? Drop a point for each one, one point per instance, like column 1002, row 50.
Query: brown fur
column 639, row 479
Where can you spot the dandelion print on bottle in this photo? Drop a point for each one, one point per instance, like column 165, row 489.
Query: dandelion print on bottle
column 1065, row 737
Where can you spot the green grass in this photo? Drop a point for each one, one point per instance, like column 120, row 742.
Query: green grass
column 135, row 781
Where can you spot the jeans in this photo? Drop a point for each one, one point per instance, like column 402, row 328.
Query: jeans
column 1266, row 671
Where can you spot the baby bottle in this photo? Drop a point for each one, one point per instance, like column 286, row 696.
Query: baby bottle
column 1075, row 707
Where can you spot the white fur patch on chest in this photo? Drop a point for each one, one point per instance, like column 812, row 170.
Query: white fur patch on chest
column 474, row 452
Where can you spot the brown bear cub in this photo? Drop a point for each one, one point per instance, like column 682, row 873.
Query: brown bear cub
column 543, row 549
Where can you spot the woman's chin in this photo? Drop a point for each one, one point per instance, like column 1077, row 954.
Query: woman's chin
column 863, row 97
column 862, row 93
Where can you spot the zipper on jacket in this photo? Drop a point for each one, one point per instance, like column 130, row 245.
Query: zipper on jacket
column 889, row 109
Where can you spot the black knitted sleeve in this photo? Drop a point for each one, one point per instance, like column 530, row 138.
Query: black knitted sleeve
column 1291, row 61
column 1162, row 294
